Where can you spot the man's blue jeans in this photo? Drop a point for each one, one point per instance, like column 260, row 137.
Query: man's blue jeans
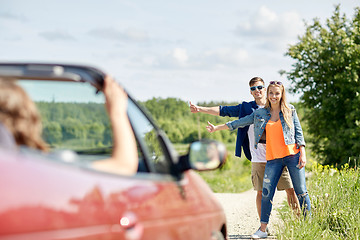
column 272, row 174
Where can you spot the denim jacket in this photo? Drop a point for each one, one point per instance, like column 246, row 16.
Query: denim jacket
column 260, row 118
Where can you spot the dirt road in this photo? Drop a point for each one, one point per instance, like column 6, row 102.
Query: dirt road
column 241, row 213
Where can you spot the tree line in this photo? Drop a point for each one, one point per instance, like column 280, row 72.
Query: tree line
column 75, row 125
column 174, row 117
column 86, row 125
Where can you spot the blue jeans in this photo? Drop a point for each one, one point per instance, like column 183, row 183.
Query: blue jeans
column 272, row 175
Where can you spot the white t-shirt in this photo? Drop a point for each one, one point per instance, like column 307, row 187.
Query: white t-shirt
column 259, row 154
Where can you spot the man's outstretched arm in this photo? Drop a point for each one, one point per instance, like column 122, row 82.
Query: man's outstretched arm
column 208, row 110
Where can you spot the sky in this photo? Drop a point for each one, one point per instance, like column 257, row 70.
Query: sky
column 193, row 50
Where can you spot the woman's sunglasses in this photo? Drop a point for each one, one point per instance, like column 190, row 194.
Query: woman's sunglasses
column 256, row 87
column 276, row 82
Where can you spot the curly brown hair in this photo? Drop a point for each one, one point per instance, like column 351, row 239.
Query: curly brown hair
column 19, row 114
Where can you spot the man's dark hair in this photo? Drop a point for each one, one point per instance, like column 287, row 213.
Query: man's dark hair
column 256, row 79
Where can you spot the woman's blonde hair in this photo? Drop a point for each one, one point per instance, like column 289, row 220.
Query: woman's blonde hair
column 284, row 106
column 18, row 113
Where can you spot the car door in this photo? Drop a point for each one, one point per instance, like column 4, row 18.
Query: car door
column 180, row 204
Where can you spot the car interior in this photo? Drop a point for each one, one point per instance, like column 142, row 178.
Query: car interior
column 77, row 129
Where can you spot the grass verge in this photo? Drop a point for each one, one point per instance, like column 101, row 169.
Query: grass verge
column 233, row 177
column 334, row 196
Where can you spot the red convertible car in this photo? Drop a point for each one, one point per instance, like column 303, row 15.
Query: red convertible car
column 58, row 195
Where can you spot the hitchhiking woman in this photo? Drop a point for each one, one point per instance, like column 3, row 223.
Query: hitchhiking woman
column 285, row 146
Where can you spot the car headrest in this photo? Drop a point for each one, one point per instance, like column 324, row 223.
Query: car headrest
column 7, row 141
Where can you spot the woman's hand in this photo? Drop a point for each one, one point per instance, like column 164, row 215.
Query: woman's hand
column 210, row 127
column 116, row 97
column 302, row 158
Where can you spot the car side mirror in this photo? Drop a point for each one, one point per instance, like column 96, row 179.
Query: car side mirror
column 204, row 155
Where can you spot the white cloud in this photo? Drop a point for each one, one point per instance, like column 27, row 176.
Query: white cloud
column 183, row 58
column 294, row 24
column 129, row 34
column 11, row 16
column 149, row 61
column 180, row 56
column 172, row 59
column 226, row 56
column 56, row 35
column 272, row 30
column 136, row 35
column 265, row 20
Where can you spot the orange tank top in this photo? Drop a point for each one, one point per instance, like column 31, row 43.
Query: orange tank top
column 275, row 143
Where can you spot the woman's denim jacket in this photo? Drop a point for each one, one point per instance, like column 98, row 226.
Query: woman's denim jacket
column 261, row 116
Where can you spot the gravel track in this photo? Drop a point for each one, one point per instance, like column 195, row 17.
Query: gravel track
column 241, row 213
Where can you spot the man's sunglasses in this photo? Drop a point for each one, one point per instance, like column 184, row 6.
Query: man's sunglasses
column 256, row 87
column 276, row 82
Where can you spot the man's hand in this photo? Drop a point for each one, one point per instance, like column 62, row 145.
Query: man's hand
column 193, row 108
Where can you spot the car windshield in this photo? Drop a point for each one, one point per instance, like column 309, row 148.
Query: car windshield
column 73, row 115
column 74, row 118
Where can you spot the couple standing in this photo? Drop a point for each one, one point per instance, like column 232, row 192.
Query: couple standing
column 270, row 134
